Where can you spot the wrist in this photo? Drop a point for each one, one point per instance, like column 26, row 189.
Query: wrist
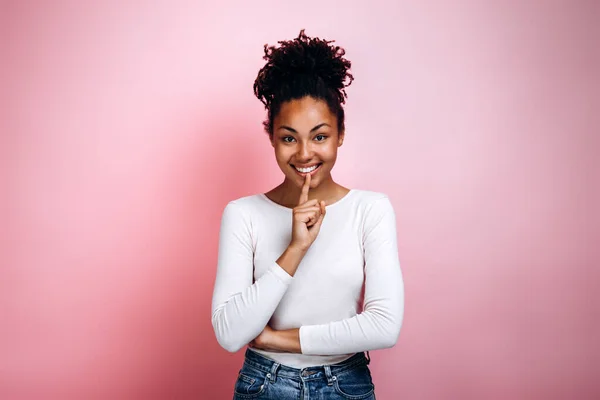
column 297, row 249
column 291, row 258
column 289, row 340
column 286, row 341
column 273, row 340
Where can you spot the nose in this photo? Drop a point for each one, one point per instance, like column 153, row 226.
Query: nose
column 304, row 152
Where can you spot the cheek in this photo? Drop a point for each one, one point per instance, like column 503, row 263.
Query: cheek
column 330, row 154
column 282, row 157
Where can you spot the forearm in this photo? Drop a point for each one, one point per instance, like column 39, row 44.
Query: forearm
column 377, row 327
column 290, row 259
column 363, row 332
column 283, row 341
column 241, row 317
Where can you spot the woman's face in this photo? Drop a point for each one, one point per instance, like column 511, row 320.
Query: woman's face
column 305, row 136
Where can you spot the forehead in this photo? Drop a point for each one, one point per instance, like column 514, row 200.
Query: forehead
column 304, row 113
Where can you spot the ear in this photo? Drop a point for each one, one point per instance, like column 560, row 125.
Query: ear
column 340, row 138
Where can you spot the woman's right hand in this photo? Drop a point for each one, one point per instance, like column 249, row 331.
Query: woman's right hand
column 307, row 219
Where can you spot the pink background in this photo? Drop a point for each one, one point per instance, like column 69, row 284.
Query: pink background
column 127, row 127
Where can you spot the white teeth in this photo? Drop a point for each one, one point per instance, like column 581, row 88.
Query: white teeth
column 305, row 170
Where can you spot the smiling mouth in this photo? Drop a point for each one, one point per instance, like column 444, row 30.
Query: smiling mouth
column 308, row 170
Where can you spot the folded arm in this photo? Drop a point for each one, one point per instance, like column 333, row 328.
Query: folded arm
column 240, row 308
column 378, row 325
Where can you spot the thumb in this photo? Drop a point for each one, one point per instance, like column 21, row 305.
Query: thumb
column 317, row 224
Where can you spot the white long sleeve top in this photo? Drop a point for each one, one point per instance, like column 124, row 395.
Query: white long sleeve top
column 346, row 296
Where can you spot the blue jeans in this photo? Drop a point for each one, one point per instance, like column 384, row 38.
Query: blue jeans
column 262, row 378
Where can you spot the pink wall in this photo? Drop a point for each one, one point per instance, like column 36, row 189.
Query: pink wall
column 128, row 127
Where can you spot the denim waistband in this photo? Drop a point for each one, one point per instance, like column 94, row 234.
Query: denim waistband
column 258, row 361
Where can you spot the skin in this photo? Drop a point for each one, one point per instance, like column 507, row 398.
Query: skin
column 304, row 133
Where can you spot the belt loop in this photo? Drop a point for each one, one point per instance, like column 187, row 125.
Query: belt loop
column 330, row 378
column 273, row 374
column 368, row 358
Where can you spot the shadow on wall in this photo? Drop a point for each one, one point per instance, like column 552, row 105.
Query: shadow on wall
column 222, row 166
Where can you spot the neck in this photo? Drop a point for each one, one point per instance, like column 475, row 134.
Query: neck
column 289, row 192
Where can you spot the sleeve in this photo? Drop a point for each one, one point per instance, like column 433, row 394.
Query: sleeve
column 378, row 325
column 240, row 308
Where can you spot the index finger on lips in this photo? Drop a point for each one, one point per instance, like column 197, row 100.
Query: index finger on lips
column 304, row 192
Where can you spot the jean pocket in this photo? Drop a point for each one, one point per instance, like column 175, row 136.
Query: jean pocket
column 250, row 383
column 355, row 384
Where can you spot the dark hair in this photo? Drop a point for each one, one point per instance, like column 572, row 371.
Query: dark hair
column 303, row 67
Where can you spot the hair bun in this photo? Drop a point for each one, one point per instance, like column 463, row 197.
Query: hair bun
column 300, row 59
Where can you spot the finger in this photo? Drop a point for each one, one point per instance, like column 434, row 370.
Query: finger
column 323, row 209
column 304, row 192
column 319, row 221
column 317, row 216
column 306, row 217
column 316, row 208
column 313, row 202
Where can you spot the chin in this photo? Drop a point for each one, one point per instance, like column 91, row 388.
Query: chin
column 299, row 180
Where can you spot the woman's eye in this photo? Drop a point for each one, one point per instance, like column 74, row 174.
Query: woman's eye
column 320, row 138
column 288, row 139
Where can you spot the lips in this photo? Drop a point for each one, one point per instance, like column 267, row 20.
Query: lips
column 309, row 169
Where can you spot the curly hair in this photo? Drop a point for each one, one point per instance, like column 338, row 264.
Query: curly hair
column 303, row 67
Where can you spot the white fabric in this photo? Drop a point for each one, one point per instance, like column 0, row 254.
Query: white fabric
column 347, row 295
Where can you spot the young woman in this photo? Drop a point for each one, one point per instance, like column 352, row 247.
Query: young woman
column 308, row 273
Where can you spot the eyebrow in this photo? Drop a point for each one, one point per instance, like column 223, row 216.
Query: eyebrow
column 312, row 130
